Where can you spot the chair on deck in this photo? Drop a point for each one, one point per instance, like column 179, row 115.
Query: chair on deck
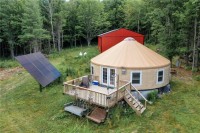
column 85, row 82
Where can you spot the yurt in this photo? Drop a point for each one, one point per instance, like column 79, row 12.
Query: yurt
column 132, row 62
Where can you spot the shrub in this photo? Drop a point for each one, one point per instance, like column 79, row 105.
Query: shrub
column 87, row 69
column 195, row 70
column 8, row 63
column 197, row 78
column 152, row 96
column 71, row 72
column 188, row 68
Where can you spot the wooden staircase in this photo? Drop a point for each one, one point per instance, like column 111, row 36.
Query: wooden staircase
column 134, row 103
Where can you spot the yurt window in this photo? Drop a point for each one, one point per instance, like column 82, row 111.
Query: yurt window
column 136, row 77
column 160, row 76
column 92, row 70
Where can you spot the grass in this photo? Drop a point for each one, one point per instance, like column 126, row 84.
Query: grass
column 8, row 63
column 24, row 109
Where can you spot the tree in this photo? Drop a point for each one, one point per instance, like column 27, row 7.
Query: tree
column 59, row 21
column 164, row 25
column 72, row 27
column 55, row 12
column 135, row 15
column 10, row 25
column 115, row 10
column 32, row 25
column 48, row 6
column 196, row 10
column 92, row 18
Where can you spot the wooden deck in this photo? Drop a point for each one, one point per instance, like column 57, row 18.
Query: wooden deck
column 102, row 96
column 102, row 90
column 97, row 95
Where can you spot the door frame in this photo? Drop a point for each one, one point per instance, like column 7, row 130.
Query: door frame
column 108, row 76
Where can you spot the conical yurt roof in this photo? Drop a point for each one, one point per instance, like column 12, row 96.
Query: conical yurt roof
column 130, row 54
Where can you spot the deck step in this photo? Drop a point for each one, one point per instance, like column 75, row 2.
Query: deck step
column 134, row 103
column 142, row 110
column 130, row 99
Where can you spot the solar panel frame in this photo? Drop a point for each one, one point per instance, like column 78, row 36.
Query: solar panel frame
column 39, row 67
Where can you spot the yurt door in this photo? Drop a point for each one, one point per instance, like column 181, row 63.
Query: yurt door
column 108, row 76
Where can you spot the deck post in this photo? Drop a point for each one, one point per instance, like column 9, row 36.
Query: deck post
column 145, row 104
column 117, row 87
column 40, row 87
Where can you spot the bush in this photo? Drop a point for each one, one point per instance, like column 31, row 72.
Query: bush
column 152, row 96
column 188, row 68
column 8, row 63
column 71, row 72
column 197, row 78
column 195, row 70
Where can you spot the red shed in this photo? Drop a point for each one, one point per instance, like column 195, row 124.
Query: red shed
column 110, row 38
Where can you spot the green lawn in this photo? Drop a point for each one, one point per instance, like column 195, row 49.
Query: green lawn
column 24, row 109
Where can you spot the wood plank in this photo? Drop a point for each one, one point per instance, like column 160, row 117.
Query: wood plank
column 135, row 105
column 75, row 110
column 98, row 115
column 142, row 110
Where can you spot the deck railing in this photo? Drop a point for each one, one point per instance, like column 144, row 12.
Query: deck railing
column 139, row 94
column 105, row 100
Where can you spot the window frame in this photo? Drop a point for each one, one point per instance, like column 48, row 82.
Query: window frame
column 131, row 77
column 160, row 82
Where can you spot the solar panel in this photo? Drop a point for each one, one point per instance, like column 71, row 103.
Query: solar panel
column 39, row 67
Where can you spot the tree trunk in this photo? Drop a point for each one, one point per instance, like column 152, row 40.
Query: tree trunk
column 58, row 38
column 62, row 40
column 30, row 48
column 49, row 46
column 138, row 23
column 198, row 47
column 51, row 22
column 194, row 46
column 24, row 50
column 12, row 52
column 88, row 41
column 35, row 46
column 75, row 41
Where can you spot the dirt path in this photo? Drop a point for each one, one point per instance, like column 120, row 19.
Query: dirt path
column 6, row 73
column 11, row 78
column 185, row 75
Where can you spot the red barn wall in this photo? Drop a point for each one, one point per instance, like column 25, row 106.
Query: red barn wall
column 100, row 43
column 107, row 40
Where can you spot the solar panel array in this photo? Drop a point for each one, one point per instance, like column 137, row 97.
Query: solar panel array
column 39, row 67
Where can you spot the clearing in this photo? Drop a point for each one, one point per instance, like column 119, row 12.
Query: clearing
column 24, row 109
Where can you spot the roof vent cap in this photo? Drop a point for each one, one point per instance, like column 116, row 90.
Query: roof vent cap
column 129, row 39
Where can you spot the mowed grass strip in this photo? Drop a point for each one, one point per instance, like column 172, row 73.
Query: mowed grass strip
column 24, row 109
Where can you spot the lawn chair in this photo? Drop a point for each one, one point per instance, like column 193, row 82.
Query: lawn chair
column 85, row 82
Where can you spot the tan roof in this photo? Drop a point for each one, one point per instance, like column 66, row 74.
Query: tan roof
column 130, row 54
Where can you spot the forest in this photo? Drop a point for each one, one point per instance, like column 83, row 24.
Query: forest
column 28, row 26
